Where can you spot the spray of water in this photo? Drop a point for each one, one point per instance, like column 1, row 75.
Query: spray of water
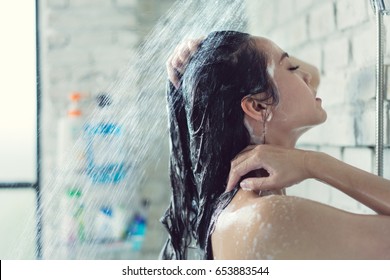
column 139, row 97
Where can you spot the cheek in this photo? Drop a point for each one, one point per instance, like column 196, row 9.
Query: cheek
column 288, row 96
column 287, row 84
column 294, row 105
column 296, row 93
column 295, row 97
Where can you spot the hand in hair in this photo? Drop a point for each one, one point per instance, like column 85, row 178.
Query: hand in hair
column 285, row 167
column 288, row 166
column 178, row 60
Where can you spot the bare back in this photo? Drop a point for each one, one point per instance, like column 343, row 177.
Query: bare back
column 287, row 227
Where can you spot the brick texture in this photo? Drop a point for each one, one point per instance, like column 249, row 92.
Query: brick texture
column 85, row 44
column 339, row 37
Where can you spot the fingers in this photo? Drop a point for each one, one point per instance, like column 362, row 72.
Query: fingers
column 243, row 164
column 241, row 156
column 181, row 57
column 234, row 176
column 257, row 184
column 172, row 75
column 178, row 61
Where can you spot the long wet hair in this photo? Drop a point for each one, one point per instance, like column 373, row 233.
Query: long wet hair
column 206, row 124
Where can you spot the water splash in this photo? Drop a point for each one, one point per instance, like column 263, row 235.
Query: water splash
column 141, row 110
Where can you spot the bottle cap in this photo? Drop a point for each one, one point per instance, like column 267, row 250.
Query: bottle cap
column 74, row 192
column 145, row 203
column 104, row 99
column 75, row 96
column 106, row 211
column 74, row 111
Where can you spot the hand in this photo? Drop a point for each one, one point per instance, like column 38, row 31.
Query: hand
column 178, row 60
column 285, row 167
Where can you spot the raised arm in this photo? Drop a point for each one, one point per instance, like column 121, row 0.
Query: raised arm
column 369, row 189
column 290, row 166
column 178, row 60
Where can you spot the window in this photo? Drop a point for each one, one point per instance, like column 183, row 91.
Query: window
column 18, row 102
column 19, row 178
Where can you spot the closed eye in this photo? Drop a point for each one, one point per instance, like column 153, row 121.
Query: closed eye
column 293, row 68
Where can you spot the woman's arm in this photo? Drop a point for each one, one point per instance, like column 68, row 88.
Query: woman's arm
column 369, row 189
column 290, row 166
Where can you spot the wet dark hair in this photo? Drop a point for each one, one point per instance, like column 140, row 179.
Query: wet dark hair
column 207, row 131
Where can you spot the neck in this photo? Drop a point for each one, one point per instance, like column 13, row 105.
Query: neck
column 283, row 139
column 287, row 139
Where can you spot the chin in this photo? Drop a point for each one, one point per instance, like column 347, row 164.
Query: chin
column 324, row 117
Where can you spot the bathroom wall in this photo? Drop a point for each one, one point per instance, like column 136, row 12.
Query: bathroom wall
column 86, row 45
column 339, row 37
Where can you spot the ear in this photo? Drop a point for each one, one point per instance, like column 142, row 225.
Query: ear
column 256, row 109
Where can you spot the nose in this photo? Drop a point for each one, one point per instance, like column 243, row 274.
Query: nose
column 307, row 77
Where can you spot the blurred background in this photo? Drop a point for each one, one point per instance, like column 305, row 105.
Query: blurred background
column 73, row 185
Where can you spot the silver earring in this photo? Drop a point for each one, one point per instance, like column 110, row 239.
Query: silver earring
column 269, row 116
column 264, row 128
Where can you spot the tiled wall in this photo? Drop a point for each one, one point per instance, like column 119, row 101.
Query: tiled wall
column 339, row 37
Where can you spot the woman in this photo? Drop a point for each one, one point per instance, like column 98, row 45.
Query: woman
column 239, row 90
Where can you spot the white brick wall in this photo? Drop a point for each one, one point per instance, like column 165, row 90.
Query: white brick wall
column 364, row 45
column 292, row 34
column 351, row 12
column 386, row 170
column 359, row 157
column 86, row 43
column 318, row 27
column 85, row 46
column 336, row 54
column 339, row 37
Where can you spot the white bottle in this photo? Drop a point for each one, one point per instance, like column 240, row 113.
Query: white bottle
column 70, row 145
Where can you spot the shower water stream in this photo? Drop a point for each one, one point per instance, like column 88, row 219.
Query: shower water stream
column 140, row 106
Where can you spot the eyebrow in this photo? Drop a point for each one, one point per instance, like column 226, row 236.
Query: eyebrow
column 283, row 56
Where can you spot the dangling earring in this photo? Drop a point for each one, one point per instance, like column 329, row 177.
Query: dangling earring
column 264, row 128
column 267, row 116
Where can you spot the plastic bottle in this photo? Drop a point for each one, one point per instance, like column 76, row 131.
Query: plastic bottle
column 104, row 225
column 137, row 228
column 73, row 225
column 105, row 145
column 119, row 222
column 70, row 129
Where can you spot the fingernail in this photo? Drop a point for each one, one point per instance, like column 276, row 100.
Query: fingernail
column 245, row 185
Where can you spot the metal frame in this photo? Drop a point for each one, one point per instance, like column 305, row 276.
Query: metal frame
column 380, row 7
column 380, row 92
column 38, row 183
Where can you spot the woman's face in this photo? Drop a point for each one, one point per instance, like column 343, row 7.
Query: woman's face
column 298, row 108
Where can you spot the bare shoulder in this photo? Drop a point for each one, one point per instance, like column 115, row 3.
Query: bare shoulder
column 287, row 227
